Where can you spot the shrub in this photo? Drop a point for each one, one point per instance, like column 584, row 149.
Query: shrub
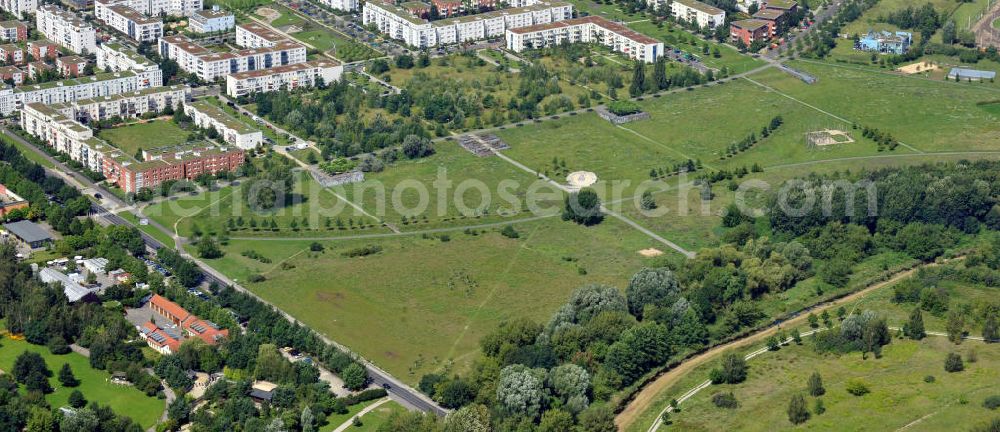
column 857, row 388
column 623, row 107
column 929, row 379
column 953, row 363
column 992, row 402
column 363, row 251
column 509, row 232
column 255, row 278
column 725, row 400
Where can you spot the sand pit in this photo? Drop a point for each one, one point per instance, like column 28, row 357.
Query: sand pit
column 268, row 14
column 828, row 137
column 918, row 67
column 580, row 179
column 651, row 252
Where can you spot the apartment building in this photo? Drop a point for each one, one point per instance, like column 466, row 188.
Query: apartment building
column 118, row 57
column 12, row 54
column 171, row 163
column 751, row 30
column 399, row 23
column 211, row 65
column 43, row 49
column 344, row 5
column 99, row 85
column 289, row 77
column 694, row 11
column 125, row 105
column 591, row 29
column 211, row 21
column 231, row 129
column 36, row 68
column 19, row 7
column 155, row 8
column 12, row 74
column 128, row 21
column 254, row 35
column 71, row 66
column 66, row 29
column 64, row 134
column 13, row 31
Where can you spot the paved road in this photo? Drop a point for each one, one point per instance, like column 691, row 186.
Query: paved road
column 396, row 388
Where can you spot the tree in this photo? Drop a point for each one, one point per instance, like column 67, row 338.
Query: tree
column 66, row 377
column 953, row 363
column 657, row 287
column 955, row 327
column 815, row 385
column 40, row 420
column 949, row 32
column 84, row 420
column 733, row 370
column 990, row 333
column 27, row 364
column 638, row 85
column 797, row 411
column 660, row 74
column 648, row 202
column 179, row 410
column 76, row 399
column 914, row 328
column 208, row 248
column 818, row 407
column 306, row 420
column 597, row 419
column 472, row 418
column 813, row 320
column 415, row 147
column 583, row 207
column 354, row 376
column 519, row 392
column 569, row 380
column 556, row 420
column 454, row 393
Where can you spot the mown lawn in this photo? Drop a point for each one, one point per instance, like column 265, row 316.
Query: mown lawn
column 94, row 384
column 143, row 136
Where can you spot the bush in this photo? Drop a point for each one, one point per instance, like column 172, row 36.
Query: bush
column 364, row 396
column 929, row 379
column 725, row 400
column 992, row 402
column 623, row 107
column 953, row 363
column 509, row 232
column 363, row 251
column 857, row 388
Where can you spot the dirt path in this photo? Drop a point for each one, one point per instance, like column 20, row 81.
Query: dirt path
column 644, row 400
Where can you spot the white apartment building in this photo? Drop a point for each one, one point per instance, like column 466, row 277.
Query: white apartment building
column 64, row 134
column 56, row 92
column 694, row 11
column 210, row 65
column 591, row 29
column 155, row 8
column 211, row 21
column 13, row 31
column 345, row 5
column 133, row 24
column 288, row 77
column 233, row 131
column 398, row 23
column 254, row 35
column 116, row 57
column 66, row 29
column 125, row 105
column 19, row 7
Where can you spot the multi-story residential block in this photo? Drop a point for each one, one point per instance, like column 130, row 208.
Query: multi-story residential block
column 12, row 75
column 43, row 49
column 786, row 6
column 66, row 29
column 776, row 16
column 12, row 54
column 13, row 31
column 589, row 29
column 128, row 21
column 694, row 11
column 100, row 85
column 210, row 65
column 155, row 8
column 71, row 66
column 211, row 21
column 751, row 30
column 19, row 7
column 345, row 5
column 117, row 57
column 36, row 68
column 170, row 163
column 254, row 35
column 287, row 77
column 232, row 131
column 125, row 105
column 64, row 134
column 398, row 23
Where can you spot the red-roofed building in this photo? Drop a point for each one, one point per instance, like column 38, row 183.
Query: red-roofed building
column 167, row 339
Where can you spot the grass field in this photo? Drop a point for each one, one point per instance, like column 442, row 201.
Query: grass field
column 378, row 416
column 94, row 384
column 672, row 37
column 896, row 381
column 422, row 302
column 143, row 136
column 148, row 229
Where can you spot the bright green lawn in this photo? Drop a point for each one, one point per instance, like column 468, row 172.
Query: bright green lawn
column 423, row 301
column 148, row 229
column 142, row 136
column 94, row 383
column 378, row 416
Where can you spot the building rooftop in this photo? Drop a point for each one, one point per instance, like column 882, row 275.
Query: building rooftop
column 595, row 20
column 286, row 68
column 211, row 14
column 71, row 59
column 11, row 24
column 221, row 116
column 781, row 4
column 971, row 73
column 499, row 13
column 133, row 15
column 262, row 31
column 699, row 6
column 75, row 81
column 750, row 24
column 769, row 14
column 27, row 231
column 72, row 289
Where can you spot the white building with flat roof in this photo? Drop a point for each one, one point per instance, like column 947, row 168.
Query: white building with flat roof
column 231, row 129
column 128, row 21
column 398, row 23
column 211, row 65
column 211, row 21
column 289, row 77
column 255, row 35
column 117, row 57
column 344, row 5
column 66, row 29
column 591, row 29
column 155, row 8
column 694, row 11
column 57, row 92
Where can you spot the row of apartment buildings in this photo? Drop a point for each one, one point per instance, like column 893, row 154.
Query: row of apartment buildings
column 589, row 29
column 19, row 7
column 404, row 24
column 694, row 11
column 67, row 66
column 66, row 29
column 120, row 16
column 62, row 127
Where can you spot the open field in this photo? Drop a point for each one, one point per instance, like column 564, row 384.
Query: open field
column 423, row 301
column 375, row 418
column 148, row 229
column 896, row 380
column 143, row 136
column 94, row 384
